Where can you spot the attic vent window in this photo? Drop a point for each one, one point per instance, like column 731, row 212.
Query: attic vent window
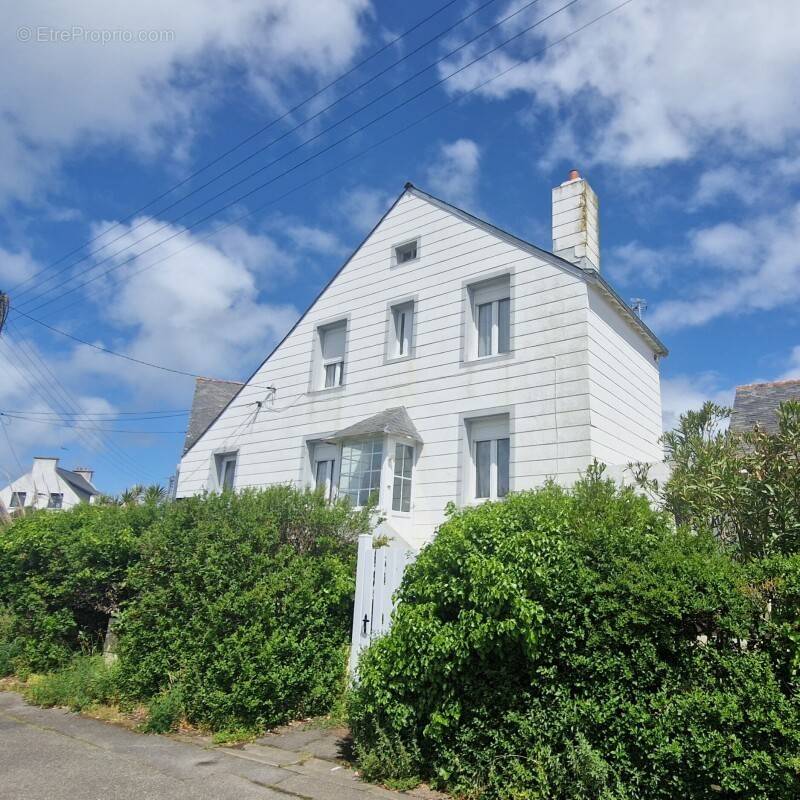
column 404, row 253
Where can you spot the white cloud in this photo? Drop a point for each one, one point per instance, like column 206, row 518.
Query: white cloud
column 684, row 393
column 636, row 265
column 362, row 207
column 315, row 240
column 753, row 266
column 16, row 266
column 454, row 173
column 657, row 82
column 146, row 95
column 197, row 308
column 793, row 366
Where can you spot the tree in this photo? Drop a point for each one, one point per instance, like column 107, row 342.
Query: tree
column 155, row 494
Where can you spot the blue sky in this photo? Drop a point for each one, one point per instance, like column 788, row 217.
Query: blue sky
column 682, row 115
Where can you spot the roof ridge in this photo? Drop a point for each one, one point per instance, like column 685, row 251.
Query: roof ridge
column 783, row 382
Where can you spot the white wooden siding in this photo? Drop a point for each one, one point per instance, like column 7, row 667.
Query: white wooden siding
column 546, row 380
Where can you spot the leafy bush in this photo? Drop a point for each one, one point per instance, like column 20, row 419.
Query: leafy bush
column 164, row 712
column 571, row 644
column 243, row 602
column 61, row 575
column 86, row 680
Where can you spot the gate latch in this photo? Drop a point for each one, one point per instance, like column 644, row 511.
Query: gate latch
column 364, row 624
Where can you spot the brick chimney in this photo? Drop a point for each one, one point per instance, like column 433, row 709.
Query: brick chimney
column 576, row 230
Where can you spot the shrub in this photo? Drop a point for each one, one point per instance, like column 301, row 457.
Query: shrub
column 85, row 681
column 244, row 602
column 61, row 575
column 164, row 712
column 571, row 644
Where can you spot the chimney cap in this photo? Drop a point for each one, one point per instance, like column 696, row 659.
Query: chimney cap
column 574, row 175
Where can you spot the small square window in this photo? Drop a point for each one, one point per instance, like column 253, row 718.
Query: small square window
column 56, row 500
column 18, row 499
column 404, row 253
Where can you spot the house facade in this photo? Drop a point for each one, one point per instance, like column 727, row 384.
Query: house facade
column 47, row 485
column 446, row 361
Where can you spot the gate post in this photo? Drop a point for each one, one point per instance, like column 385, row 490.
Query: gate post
column 362, row 610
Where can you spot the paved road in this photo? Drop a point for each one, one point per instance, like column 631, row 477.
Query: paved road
column 51, row 754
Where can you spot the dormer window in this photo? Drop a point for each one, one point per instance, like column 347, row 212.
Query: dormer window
column 408, row 251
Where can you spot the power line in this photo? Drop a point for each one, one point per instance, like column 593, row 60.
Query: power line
column 246, row 140
column 312, row 157
column 73, row 427
column 108, row 414
column 279, row 138
column 399, row 132
column 11, row 448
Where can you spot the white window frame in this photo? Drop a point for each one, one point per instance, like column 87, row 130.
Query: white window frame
column 17, row 496
column 406, row 481
column 51, row 503
column 346, row 462
column 489, row 294
column 491, row 430
column 224, row 462
column 397, row 249
column 337, row 362
column 328, row 454
column 401, row 342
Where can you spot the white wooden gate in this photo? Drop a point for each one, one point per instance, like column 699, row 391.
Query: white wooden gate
column 378, row 576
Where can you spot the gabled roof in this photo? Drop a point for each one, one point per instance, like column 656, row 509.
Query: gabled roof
column 758, row 403
column 392, row 421
column 210, row 398
column 76, row 481
column 591, row 276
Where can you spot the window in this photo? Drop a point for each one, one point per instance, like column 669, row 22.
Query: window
column 226, row 471
column 56, row 500
column 490, row 331
column 18, row 499
column 332, row 340
column 402, row 330
column 360, row 475
column 324, row 463
column 490, row 448
column 404, row 253
column 401, row 490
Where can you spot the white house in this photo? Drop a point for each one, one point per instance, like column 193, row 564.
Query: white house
column 447, row 360
column 49, row 486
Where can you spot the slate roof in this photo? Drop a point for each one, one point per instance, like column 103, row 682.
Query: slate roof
column 393, row 421
column 76, row 481
column 758, row 403
column 210, row 397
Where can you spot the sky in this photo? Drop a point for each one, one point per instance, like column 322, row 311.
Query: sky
column 178, row 181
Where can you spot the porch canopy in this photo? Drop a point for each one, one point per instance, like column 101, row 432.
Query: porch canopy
column 392, row 422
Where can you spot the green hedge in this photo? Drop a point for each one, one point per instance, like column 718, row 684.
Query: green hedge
column 243, row 605
column 61, row 575
column 572, row 645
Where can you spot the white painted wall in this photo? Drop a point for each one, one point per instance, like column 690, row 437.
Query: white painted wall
column 38, row 484
column 544, row 384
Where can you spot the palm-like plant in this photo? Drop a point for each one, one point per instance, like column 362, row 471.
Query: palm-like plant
column 132, row 496
column 155, row 494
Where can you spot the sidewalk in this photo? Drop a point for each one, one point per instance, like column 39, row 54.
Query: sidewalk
column 47, row 753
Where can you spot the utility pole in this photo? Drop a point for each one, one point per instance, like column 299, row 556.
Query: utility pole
column 5, row 303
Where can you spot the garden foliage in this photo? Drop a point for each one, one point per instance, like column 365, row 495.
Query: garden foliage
column 572, row 644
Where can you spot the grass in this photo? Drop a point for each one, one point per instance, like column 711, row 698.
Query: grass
column 84, row 682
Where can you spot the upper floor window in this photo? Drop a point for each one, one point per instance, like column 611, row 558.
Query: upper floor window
column 489, row 331
column 226, row 471
column 490, row 451
column 408, row 251
column 360, row 473
column 332, row 339
column 56, row 500
column 401, row 330
column 18, row 499
column 401, row 488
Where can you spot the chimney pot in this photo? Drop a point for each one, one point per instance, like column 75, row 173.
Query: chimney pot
column 574, row 174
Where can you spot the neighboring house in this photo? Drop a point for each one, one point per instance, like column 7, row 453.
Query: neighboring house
column 446, row 361
column 49, row 486
column 757, row 403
